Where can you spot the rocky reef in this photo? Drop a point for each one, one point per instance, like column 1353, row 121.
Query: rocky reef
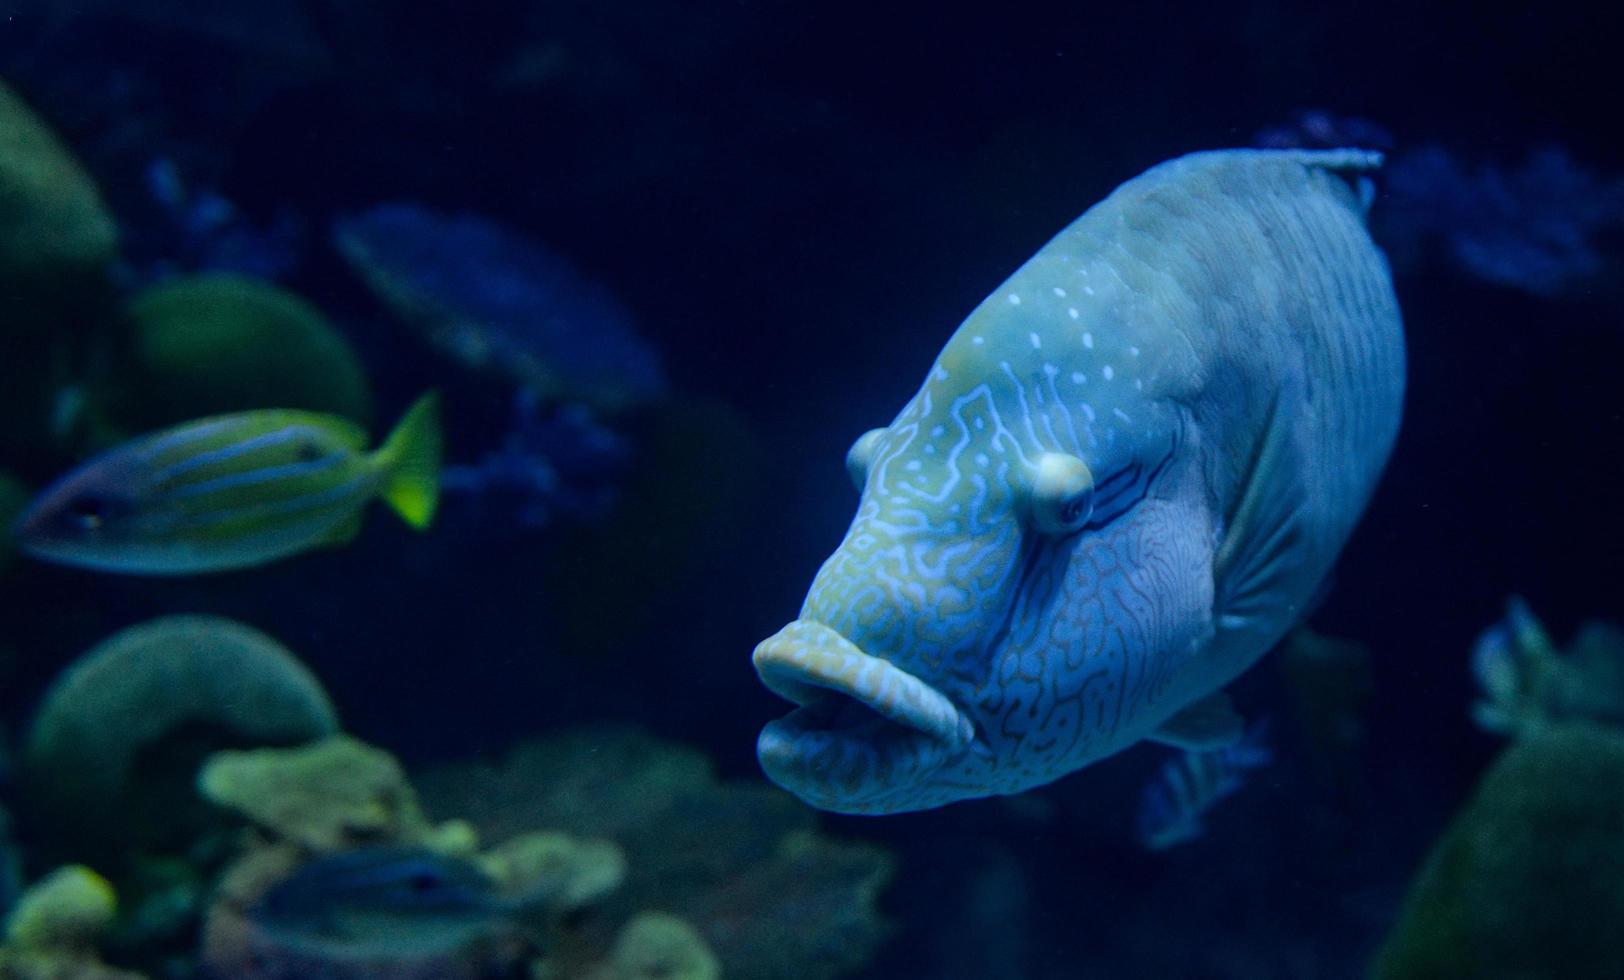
column 110, row 758
column 54, row 228
column 614, row 856
column 1528, row 880
column 743, row 863
column 56, row 930
column 224, row 343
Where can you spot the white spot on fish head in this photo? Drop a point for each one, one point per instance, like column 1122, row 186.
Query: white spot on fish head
column 1050, row 370
column 1089, row 290
column 1071, row 311
column 1014, row 299
column 978, row 340
column 1119, row 413
column 1107, row 372
column 1088, row 340
column 1060, row 292
column 1037, row 342
column 1078, row 377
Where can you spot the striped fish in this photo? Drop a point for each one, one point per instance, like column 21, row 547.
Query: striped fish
column 1192, row 783
column 233, row 491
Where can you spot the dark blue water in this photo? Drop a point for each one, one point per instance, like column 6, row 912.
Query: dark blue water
column 789, row 209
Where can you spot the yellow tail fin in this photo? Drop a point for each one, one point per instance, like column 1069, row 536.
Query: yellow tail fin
column 410, row 460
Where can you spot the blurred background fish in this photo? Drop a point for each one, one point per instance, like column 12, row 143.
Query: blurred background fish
column 233, row 491
column 501, row 303
column 1173, row 803
column 382, row 900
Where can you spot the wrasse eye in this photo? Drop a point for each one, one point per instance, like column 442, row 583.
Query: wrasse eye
column 1062, row 494
column 89, row 512
column 422, row 882
column 861, row 455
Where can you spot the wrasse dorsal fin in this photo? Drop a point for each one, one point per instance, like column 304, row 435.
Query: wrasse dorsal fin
column 1203, row 725
column 1262, row 547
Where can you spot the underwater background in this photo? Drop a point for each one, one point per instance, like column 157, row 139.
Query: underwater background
column 662, row 263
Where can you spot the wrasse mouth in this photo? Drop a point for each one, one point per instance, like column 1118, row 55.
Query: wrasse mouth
column 864, row 726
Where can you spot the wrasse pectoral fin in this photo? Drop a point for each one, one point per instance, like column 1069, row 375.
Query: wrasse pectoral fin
column 1201, row 726
column 1262, row 546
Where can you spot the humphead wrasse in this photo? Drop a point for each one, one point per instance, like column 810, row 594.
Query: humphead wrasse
column 233, row 491
column 1124, row 477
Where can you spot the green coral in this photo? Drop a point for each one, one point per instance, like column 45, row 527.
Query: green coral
column 72, row 908
column 57, row 241
column 113, row 753
column 226, row 343
column 53, row 224
column 657, row 946
column 1527, row 682
column 56, row 929
column 566, row 872
column 1528, row 880
column 326, row 796
column 743, row 862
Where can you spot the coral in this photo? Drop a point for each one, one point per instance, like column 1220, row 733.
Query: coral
column 54, row 931
column 56, row 242
column 237, row 947
column 183, row 227
column 340, row 794
column 71, row 908
column 552, row 463
column 657, row 946
column 53, row 225
column 1528, row 880
column 29, row 965
column 326, row 796
column 499, row 302
column 565, row 872
column 225, row 343
column 1527, row 682
column 113, row 753
column 741, row 861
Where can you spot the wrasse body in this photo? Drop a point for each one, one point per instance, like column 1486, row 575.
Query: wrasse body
column 1123, row 479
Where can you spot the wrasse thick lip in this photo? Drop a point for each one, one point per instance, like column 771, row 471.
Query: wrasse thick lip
column 830, row 677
